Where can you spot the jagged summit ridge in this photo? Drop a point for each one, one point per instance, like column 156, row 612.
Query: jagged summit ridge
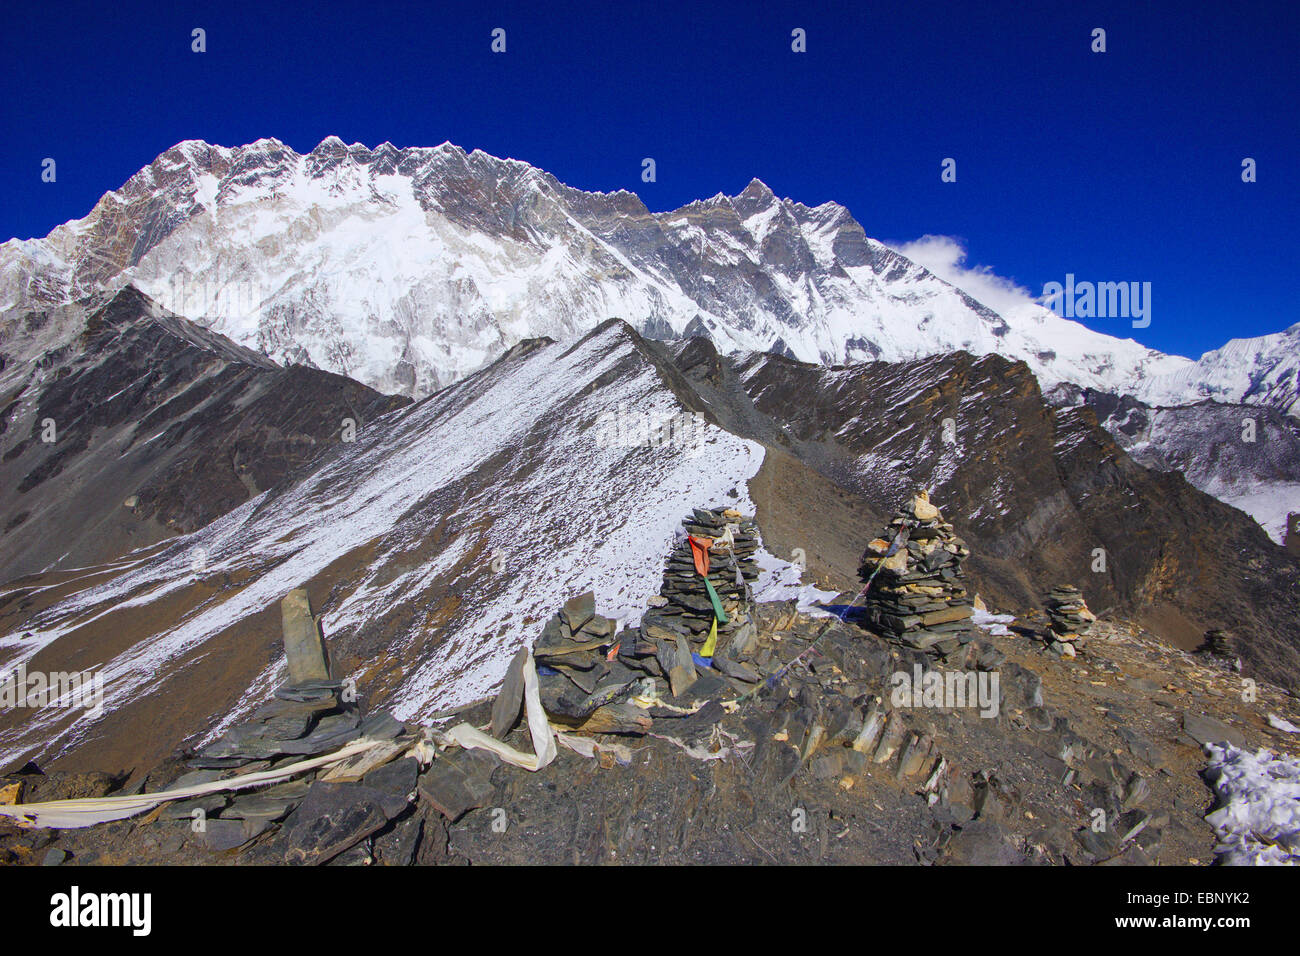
column 408, row 268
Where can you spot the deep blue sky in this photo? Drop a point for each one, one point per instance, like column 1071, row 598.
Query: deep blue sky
column 1117, row 166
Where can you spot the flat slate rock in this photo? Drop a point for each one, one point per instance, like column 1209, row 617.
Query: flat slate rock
column 330, row 733
column 1143, row 749
column 260, row 806
column 335, row 817
column 303, row 646
column 983, row 843
column 699, row 724
column 381, row 725
column 579, row 610
column 184, row 809
column 310, row 691
column 398, row 777
column 454, row 785
column 222, row 835
column 1207, row 730
column 508, row 706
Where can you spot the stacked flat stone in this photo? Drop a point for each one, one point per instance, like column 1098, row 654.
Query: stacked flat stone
column 591, row 672
column 1069, row 620
column 586, row 667
column 919, row 597
column 308, row 716
column 683, row 603
column 1218, row 643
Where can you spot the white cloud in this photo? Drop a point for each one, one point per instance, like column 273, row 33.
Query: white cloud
column 945, row 256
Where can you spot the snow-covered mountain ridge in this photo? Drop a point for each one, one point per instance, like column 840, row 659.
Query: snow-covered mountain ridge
column 409, row 268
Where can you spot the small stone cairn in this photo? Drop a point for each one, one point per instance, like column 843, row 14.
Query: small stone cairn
column 918, row 596
column 1220, row 645
column 1069, row 620
column 308, row 716
column 683, row 601
column 590, row 670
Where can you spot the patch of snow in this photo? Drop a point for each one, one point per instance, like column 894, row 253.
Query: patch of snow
column 995, row 624
column 780, row 580
column 1282, row 724
column 1258, row 817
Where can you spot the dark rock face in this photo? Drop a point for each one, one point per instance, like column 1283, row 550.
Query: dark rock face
column 334, row 817
column 1172, row 549
column 1036, row 491
column 159, row 426
column 1247, row 456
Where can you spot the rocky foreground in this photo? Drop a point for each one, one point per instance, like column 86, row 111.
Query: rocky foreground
column 1092, row 759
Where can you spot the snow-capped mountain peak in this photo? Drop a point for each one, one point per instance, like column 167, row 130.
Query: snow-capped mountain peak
column 408, row 268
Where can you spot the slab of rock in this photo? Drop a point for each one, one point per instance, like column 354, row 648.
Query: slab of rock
column 398, row 778
column 222, row 835
column 509, row 704
column 381, row 725
column 616, row 719
column 1208, row 730
column 303, row 645
column 983, row 843
column 827, row 766
column 184, row 809
column 260, row 806
column 682, row 673
column 324, row 692
column 732, row 668
column 1143, row 749
column 335, row 817
column 579, row 610
column 329, row 734
column 453, row 786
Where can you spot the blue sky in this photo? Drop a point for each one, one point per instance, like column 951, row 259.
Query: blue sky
column 1120, row 166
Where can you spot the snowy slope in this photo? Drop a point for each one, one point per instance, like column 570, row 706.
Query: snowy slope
column 409, row 268
column 440, row 540
column 1264, row 370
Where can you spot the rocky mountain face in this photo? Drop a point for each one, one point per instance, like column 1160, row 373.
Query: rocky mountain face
column 409, row 268
column 1247, row 456
column 445, row 535
column 433, row 545
column 1046, row 494
column 124, row 425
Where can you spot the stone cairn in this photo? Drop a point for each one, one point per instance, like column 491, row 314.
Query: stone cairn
column 307, row 717
column 1219, row 644
column 683, row 601
column 1069, row 620
column 918, row 596
column 589, row 670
